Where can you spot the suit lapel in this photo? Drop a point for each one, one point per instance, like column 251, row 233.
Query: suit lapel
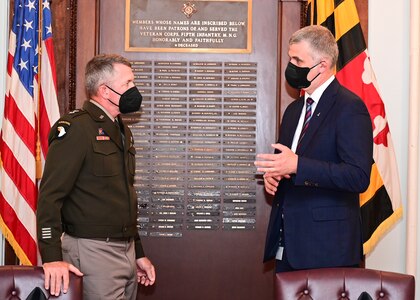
column 326, row 102
column 289, row 126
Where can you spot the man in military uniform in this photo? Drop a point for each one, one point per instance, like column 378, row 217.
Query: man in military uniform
column 87, row 209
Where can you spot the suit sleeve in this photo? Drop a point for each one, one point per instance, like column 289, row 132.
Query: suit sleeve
column 65, row 157
column 353, row 143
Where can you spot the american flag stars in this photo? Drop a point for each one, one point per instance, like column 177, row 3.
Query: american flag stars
column 25, row 26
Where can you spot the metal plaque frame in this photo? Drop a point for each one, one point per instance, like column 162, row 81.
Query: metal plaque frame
column 188, row 26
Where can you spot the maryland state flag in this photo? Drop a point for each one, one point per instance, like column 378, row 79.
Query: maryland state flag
column 381, row 203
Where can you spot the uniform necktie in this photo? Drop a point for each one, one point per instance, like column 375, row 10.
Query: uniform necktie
column 306, row 120
column 120, row 130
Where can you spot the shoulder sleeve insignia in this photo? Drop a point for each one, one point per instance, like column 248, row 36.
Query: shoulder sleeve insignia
column 62, row 129
column 62, row 126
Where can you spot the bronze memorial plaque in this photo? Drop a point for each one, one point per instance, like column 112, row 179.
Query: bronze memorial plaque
column 193, row 26
column 195, row 139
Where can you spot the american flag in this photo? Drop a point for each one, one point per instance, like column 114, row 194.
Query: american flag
column 30, row 109
column 381, row 205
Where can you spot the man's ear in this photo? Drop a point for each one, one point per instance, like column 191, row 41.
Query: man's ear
column 103, row 91
column 324, row 65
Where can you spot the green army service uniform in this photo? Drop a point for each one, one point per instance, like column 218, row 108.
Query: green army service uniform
column 87, row 188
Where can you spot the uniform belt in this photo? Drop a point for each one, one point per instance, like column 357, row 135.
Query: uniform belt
column 92, row 231
column 113, row 239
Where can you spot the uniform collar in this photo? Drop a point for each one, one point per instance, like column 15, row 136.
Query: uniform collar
column 102, row 108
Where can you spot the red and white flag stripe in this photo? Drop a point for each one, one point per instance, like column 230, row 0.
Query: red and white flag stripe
column 30, row 109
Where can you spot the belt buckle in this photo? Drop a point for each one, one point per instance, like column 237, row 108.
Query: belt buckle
column 123, row 239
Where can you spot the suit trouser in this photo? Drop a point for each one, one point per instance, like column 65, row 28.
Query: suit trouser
column 109, row 268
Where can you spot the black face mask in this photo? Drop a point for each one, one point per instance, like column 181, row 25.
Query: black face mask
column 130, row 100
column 296, row 76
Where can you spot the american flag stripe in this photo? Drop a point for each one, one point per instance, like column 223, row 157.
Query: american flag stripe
column 381, row 204
column 30, row 109
column 21, row 209
column 25, row 101
column 19, row 176
column 20, row 242
column 48, row 104
column 49, row 65
column 24, row 129
column 18, row 147
column 13, row 140
column 48, row 112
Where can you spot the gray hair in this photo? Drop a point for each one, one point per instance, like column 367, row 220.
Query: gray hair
column 321, row 41
column 100, row 70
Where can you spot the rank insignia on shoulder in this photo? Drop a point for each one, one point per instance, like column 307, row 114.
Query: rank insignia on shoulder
column 74, row 111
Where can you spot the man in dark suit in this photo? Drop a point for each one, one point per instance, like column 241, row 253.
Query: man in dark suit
column 322, row 161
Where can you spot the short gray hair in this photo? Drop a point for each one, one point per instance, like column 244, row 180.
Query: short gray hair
column 100, row 70
column 321, row 41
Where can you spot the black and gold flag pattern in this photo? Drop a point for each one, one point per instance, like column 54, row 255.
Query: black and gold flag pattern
column 381, row 204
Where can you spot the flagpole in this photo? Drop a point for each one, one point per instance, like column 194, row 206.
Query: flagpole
column 38, row 163
column 4, row 17
column 413, row 140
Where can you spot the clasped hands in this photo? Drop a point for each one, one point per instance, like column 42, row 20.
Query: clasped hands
column 276, row 166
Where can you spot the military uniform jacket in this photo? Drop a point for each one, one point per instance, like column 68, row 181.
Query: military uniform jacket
column 87, row 187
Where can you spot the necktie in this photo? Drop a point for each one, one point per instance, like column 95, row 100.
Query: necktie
column 306, row 120
column 120, row 130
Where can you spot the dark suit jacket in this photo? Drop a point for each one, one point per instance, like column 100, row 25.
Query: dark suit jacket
column 320, row 203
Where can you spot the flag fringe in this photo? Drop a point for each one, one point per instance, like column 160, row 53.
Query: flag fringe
column 8, row 235
column 381, row 230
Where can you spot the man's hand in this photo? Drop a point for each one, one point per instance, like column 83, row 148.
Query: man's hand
column 280, row 164
column 271, row 183
column 276, row 166
column 57, row 274
column 146, row 274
